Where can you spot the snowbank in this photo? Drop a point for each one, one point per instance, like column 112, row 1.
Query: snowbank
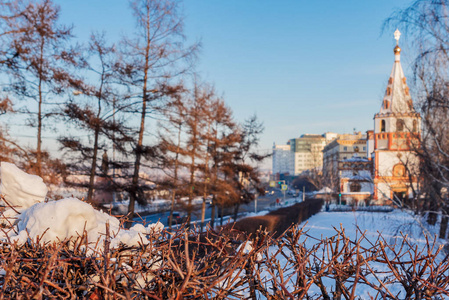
column 325, row 190
column 21, row 190
column 59, row 220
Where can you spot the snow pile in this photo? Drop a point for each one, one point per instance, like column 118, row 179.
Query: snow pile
column 58, row 220
column 20, row 189
column 247, row 247
column 325, row 190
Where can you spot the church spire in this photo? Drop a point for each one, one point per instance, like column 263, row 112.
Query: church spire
column 397, row 99
column 397, row 49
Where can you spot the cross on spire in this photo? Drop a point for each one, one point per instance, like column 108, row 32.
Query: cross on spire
column 397, row 35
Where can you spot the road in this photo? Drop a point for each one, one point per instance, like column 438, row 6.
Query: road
column 263, row 203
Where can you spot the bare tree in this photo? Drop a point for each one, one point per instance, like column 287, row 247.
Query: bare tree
column 426, row 26
column 155, row 55
column 218, row 135
column 38, row 67
column 244, row 174
column 95, row 117
column 171, row 145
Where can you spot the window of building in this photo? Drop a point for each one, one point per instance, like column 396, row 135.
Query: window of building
column 399, row 170
column 364, row 148
column 345, row 148
column 415, row 126
column 386, row 104
column 355, row 187
column 399, row 125
column 382, row 126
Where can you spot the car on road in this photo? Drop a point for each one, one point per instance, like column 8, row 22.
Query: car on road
column 178, row 218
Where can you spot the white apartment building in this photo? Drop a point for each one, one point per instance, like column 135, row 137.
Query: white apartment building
column 307, row 151
column 283, row 159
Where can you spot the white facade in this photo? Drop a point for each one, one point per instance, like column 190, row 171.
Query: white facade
column 283, row 159
column 308, row 152
column 343, row 147
column 355, row 175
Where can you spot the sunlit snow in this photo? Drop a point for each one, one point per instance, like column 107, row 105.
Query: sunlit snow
column 58, row 220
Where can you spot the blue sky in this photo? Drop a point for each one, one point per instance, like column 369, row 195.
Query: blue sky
column 301, row 66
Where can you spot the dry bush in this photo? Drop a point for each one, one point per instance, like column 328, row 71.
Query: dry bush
column 213, row 265
column 280, row 220
column 253, row 224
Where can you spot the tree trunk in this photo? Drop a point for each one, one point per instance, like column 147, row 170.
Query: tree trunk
column 203, row 213
column 39, row 115
column 175, row 179
column 236, row 211
column 432, row 209
column 444, row 223
column 90, row 191
column 138, row 150
column 212, row 217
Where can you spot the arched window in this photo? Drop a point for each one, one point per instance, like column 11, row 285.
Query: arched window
column 382, row 126
column 415, row 126
column 355, row 187
column 386, row 104
column 399, row 125
column 399, row 170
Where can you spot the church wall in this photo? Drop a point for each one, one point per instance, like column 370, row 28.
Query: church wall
column 369, row 147
column 382, row 144
column 383, row 191
column 390, row 123
column 388, row 159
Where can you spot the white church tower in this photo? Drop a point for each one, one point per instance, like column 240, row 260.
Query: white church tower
column 396, row 134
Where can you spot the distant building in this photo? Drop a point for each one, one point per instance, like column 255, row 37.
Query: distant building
column 307, row 151
column 283, row 159
column 356, row 183
column 330, row 136
column 343, row 147
column 300, row 154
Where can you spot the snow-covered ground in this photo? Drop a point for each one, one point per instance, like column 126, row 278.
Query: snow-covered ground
column 392, row 226
column 389, row 224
